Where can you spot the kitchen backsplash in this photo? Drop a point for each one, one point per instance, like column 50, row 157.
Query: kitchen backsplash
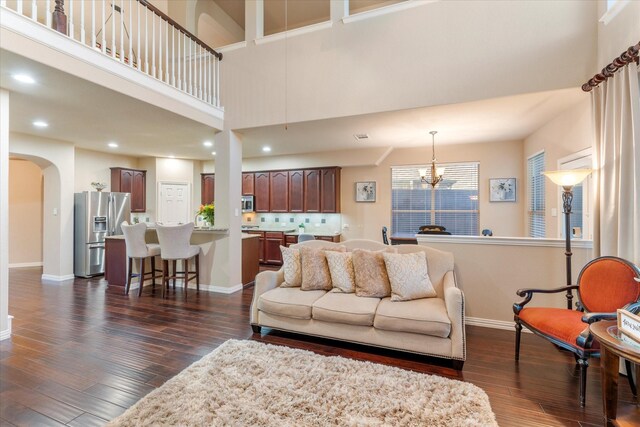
column 313, row 222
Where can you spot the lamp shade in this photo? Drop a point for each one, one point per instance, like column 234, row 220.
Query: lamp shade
column 568, row 177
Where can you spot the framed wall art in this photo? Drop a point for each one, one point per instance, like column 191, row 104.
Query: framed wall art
column 366, row 191
column 502, row 189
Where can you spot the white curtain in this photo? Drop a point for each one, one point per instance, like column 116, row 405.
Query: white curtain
column 616, row 118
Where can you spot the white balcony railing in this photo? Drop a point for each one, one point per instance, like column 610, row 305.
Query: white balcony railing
column 136, row 34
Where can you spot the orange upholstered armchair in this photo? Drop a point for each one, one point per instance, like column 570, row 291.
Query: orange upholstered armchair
column 604, row 285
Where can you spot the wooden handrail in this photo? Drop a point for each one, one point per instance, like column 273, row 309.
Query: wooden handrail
column 179, row 27
column 628, row 56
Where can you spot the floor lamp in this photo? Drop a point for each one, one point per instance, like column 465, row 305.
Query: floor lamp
column 567, row 179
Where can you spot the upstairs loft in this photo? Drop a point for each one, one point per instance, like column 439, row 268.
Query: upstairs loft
column 128, row 46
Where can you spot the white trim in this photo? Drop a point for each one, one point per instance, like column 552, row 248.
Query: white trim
column 53, row 278
column 233, row 46
column 26, row 264
column 493, row 324
column 23, row 26
column 614, row 11
column 503, row 241
column 587, row 152
column 535, row 154
column 212, row 288
column 385, row 10
column 296, row 32
column 7, row 332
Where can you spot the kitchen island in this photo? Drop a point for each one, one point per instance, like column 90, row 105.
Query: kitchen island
column 205, row 237
column 271, row 238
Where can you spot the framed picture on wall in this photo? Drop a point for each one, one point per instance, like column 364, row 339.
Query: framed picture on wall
column 366, row 191
column 502, row 189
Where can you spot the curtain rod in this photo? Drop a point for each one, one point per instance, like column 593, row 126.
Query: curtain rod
column 628, row 56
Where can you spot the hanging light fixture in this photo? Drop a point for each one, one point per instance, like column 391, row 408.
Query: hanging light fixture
column 436, row 173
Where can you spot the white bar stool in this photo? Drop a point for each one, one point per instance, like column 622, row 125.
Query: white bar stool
column 137, row 247
column 175, row 246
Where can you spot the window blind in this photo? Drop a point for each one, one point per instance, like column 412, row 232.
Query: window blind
column 535, row 167
column 452, row 204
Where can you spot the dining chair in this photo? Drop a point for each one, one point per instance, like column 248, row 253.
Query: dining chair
column 175, row 246
column 137, row 248
column 305, row 237
column 604, row 285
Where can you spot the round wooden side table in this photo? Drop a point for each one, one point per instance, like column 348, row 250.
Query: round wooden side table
column 611, row 349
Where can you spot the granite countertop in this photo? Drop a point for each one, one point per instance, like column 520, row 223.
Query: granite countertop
column 314, row 233
column 249, row 236
column 285, row 230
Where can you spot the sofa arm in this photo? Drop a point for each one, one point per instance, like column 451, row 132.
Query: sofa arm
column 454, row 302
column 265, row 281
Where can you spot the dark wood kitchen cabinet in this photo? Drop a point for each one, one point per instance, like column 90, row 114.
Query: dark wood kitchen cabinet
column 312, row 190
column 296, row 191
column 260, row 244
column 134, row 181
column 207, row 188
column 247, row 184
column 261, row 194
column 330, row 190
column 279, row 191
column 272, row 242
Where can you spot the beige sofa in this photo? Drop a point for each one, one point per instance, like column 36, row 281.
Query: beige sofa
column 429, row 326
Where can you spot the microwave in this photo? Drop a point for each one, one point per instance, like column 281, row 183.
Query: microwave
column 247, row 204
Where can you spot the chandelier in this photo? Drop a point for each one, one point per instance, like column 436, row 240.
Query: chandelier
column 436, row 173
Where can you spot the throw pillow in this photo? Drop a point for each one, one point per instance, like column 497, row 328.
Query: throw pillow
column 408, row 276
column 371, row 273
column 315, row 270
column 291, row 267
column 341, row 268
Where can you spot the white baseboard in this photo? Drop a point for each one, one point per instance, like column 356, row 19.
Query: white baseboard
column 26, row 264
column 211, row 288
column 5, row 334
column 493, row 324
column 53, row 278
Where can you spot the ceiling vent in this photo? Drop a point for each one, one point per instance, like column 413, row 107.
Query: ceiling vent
column 361, row 136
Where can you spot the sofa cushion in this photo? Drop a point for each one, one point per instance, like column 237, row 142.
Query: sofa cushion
column 291, row 267
column 340, row 307
column 371, row 274
column 289, row 302
column 426, row 316
column 408, row 276
column 343, row 277
column 315, row 270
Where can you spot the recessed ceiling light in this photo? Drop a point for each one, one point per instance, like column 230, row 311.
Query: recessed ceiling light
column 213, row 153
column 266, row 149
column 171, row 156
column 113, row 145
column 208, row 144
column 24, row 78
column 40, row 124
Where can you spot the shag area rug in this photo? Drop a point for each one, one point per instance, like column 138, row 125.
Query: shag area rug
column 247, row 383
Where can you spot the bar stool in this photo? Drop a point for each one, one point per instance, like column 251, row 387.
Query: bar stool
column 174, row 246
column 137, row 248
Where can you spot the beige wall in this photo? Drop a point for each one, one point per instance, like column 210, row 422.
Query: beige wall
column 568, row 133
column 25, row 213
column 93, row 166
column 617, row 35
column 433, row 54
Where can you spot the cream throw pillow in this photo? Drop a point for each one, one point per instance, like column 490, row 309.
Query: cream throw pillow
column 408, row 276
column 371, row 273
column 291, row 267
column 315, row 270
column 343, row 277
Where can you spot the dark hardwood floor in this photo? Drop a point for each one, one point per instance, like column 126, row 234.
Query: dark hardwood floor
column 81, row 353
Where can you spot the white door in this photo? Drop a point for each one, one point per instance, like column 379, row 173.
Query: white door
column 174, row 203
column 580, row 218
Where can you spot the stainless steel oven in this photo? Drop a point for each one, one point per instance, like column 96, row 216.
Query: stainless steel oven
column 247, row 204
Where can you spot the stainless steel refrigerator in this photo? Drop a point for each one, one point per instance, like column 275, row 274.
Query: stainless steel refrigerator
column 96, row 216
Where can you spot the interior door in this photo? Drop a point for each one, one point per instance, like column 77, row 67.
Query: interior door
column 173, row 203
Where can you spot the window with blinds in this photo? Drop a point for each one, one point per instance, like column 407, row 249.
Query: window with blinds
column 452, row 204
column 535, row 167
